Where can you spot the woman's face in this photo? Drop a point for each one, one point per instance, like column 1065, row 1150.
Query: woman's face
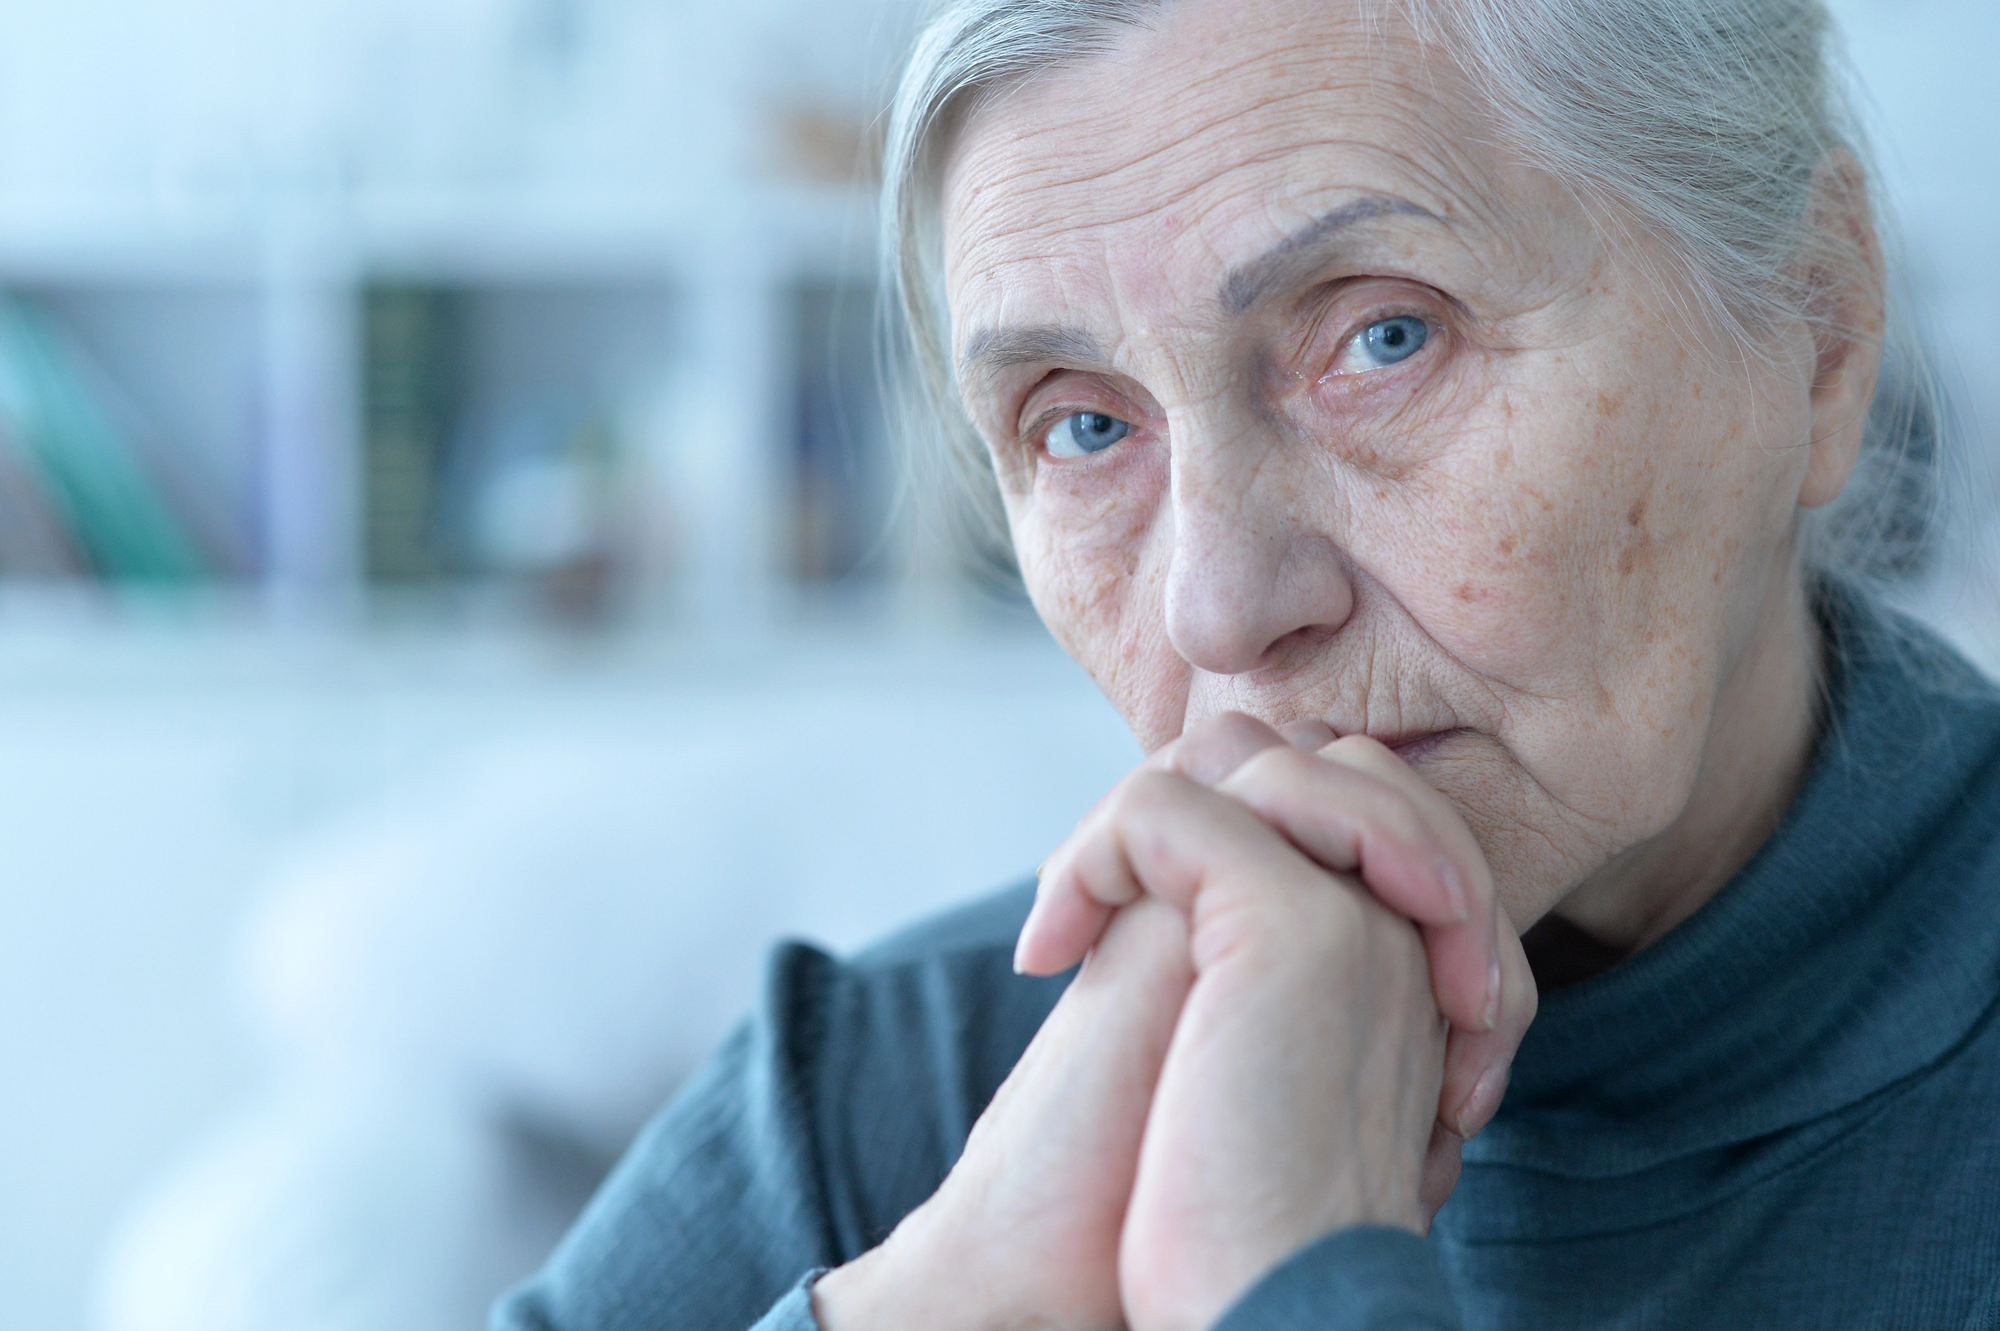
column 1308, row 401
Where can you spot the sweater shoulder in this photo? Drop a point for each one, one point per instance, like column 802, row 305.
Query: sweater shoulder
column 971, row 934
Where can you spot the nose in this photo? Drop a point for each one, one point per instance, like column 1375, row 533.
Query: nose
column 1253, row 570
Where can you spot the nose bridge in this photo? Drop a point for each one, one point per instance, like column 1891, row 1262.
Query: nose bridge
column 1226, row 525
column 1251, row 565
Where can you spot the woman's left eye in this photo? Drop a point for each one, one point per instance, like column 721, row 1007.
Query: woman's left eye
column 1383, row 343
column 1084, row 433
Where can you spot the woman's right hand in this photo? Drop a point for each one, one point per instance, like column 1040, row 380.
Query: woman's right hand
column 1025, row 1229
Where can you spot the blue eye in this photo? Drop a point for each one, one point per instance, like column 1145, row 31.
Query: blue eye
column 1084, row 433
column 1387, row 341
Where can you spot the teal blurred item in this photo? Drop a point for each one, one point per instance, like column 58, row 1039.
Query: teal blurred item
column 34, row 541
column 99, row 507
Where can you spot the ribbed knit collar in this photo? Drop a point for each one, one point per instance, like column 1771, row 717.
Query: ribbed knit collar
column 1859, row 945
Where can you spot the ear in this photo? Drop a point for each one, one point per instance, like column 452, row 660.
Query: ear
column 1846, row 284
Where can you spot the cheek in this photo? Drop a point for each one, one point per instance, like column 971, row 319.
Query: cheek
column 1095, row 570
column 1584, row 528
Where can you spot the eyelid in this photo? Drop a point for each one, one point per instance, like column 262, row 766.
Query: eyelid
column 1353, row 321
column 1033, row 426
column 1034, row 437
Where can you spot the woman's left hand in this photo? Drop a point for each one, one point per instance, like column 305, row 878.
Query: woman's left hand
column 1301, row 1092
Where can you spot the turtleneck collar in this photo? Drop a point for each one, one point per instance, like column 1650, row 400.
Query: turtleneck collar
column 1857, row 947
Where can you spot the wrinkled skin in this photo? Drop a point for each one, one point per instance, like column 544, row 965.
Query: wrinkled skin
column 1546, row 559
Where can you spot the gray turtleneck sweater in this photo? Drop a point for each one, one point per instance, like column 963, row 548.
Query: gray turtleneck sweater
column 1785, row 1114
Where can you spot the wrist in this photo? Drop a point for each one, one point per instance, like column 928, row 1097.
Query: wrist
column 890, row 1288
column 850, row 1297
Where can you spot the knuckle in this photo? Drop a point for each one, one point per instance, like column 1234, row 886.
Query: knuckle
column 1280, row 765
column 1144, row 794
column 1210, row 749
column 1237, row 725
column 1396, row 814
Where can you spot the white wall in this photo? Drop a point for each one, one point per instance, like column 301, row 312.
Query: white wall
column 492, row 855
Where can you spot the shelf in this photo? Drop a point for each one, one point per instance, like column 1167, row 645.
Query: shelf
column 717, row 367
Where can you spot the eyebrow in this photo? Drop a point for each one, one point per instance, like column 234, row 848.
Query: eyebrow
column 991, row 350
column 1298, row 254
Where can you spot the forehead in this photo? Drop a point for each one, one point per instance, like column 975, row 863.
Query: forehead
column 1193, row 143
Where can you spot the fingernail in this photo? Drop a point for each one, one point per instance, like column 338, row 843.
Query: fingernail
column 1041, row 869
column 1454, row 889
column 1492, row 1013
column 1478, row 1107
column 1020, row 944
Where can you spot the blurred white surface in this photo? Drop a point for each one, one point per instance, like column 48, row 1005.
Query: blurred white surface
column 486, row 882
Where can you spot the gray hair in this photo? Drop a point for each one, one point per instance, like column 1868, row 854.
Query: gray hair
column 1707, row 125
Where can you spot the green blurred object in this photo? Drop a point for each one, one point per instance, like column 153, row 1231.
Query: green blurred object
column 412, row 342
column 89, row 473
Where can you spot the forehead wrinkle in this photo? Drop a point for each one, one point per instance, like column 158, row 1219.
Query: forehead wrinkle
column 1206, row 106
column 1047, row 174
column 1206, row 97
column 1023, row 213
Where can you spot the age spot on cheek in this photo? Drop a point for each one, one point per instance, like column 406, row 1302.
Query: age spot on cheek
column 1640, row 547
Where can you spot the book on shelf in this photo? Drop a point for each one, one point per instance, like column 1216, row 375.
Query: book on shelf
column 413, row 347
column 81, row 490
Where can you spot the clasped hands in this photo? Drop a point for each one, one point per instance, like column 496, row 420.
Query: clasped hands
column 1298, row 997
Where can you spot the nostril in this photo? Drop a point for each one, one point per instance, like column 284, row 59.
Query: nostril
column 1232, row 617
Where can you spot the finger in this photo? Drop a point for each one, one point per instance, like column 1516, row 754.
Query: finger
column 1081, row 885
column 1212, row 749
column 1443, row 1160
column 1162, row 835
column 1465, row 955
column 1122, row 1003
column 1351, row 820
column 1051, row 1160
column 1067, row 922
column 1312, row 736
column 1477, row 1063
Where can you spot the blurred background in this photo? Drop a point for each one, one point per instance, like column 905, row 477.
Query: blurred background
column 457, row 607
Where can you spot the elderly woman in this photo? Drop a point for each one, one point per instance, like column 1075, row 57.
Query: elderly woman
column 1413, row 413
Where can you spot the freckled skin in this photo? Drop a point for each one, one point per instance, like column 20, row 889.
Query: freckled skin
column 1562, row 528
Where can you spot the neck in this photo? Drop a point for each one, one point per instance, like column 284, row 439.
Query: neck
column 1762, row 734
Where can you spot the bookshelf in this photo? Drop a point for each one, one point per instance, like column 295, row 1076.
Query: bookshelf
column 674, row 418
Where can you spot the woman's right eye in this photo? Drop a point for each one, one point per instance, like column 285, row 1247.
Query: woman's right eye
column 1083, row 433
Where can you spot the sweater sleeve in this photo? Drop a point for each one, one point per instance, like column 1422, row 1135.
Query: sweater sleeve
column 836, row 1111
column 715, row 1219
column 794, row 1312
column 1364, row 1279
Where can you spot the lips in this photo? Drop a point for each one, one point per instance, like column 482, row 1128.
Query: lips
column 1414, row 745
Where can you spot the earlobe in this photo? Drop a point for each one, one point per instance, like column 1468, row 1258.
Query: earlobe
column 1847, row 283
column 1832, row 463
